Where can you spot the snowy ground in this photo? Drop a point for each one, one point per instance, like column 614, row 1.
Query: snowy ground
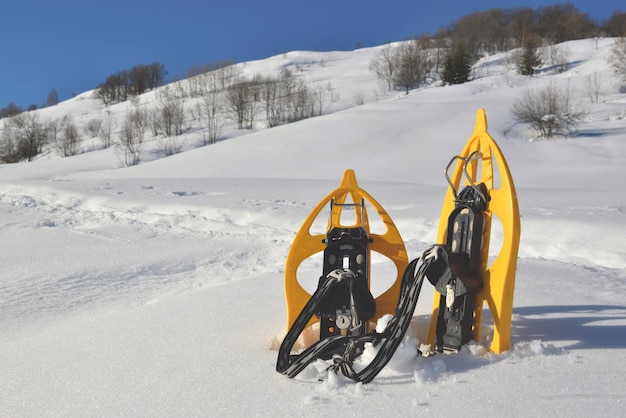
column 157, row 290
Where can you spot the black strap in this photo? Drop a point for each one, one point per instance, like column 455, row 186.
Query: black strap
column 389, row 340
column 345, row 349
column 456, row 275
column 292, row 364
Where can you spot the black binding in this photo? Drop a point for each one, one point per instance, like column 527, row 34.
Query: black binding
column 346, row 309
column 344, row 303
column 456, row 276
column 345, row 349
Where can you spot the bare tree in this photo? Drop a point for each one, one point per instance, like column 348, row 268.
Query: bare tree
column 439, row 48
column 473, row 31
column 157, row 73
column 255, row 91
column 211, row 110
column 10, row 110
column 144, row 77
column 240, row 101
column 53, row 98
column 9, row 152
column 279, row 97
column 549, row 111
column 139, row 79
column 287, row 99
column 618, row 56
column 275, row 108
column 320, row 101
column 116, row 88
column 171, row 112
column 154, row 120
column 194, row 80
column 170, row 145
column 594, row 87
column 206, row 77
column 53, row 129
column 130, row 142
column 26, row 135
column 92, row 128
column 228, row 73
column 616, row 25
column 168, row 117
column 563, row 22
column 413, row 65
column 106, row 130
column 68, row 140
column 358, row 97
column 301, row 102
column 119, row 86
column 212, row 116
column 383, row 65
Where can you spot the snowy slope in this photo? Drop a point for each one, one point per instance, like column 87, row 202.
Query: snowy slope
column 157, row 290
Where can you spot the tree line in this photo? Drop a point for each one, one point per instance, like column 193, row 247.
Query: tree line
column 12, row 109
column 529, row 37
column 224, row 93
column 451, row 52
column 120, row 86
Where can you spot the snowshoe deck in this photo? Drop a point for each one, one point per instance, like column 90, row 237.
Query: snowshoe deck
column 482, row 160
column 352, row 253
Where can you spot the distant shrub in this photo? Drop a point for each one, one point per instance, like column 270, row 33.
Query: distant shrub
column 549, row 111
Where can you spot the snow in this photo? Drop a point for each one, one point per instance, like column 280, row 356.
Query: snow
column 157, row 290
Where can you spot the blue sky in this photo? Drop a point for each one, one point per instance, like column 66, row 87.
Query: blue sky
column 72, row 46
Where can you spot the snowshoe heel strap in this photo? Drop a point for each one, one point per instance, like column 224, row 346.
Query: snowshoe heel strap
column 456, row 275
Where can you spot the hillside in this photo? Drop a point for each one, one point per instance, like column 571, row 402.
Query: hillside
column 157, row 289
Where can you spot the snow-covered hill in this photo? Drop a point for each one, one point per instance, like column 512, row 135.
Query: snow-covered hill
column 157, row 290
